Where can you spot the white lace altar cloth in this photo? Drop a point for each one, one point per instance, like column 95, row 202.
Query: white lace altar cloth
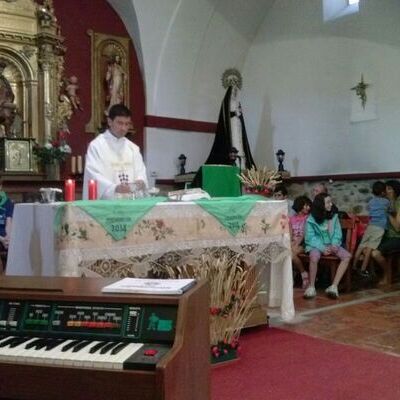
column 177, row 233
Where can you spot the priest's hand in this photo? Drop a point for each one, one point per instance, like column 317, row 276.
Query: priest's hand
column 140, row 185
column 123, row 188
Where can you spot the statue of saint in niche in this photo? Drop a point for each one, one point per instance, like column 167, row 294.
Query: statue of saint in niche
column 115, row 81
column 7, row 106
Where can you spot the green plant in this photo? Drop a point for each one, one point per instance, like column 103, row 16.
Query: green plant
column 52, row 151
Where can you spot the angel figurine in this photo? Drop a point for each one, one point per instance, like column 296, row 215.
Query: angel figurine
column 71, row 90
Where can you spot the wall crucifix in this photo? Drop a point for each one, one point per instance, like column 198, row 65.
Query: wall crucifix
column 361, row 91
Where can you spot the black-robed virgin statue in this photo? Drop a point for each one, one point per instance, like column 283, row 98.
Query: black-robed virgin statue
column 231, row 131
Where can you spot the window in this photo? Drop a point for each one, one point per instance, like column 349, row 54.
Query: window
column 334, row 9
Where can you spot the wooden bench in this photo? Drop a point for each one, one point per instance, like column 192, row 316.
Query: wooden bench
column 392, row 258
column 392, row 265
column 332, row 262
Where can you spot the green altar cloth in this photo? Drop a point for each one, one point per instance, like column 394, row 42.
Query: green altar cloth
column 230, row 212
column 117, row 217
column 221, row 180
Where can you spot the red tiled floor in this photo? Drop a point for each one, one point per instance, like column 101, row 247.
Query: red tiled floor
column 367, row 318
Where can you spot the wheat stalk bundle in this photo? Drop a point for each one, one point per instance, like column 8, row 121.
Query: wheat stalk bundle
column 260, row 178
column 233, row 292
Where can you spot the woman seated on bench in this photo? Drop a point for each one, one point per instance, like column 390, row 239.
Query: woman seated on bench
column 391, row 240
column 323, row 236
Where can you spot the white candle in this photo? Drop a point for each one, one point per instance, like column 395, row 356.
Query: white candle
column 79, row 164
column 73, row 165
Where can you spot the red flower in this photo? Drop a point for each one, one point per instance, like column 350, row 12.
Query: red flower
column 215, row 310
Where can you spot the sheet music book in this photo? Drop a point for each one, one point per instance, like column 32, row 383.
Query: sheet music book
column 149, row 286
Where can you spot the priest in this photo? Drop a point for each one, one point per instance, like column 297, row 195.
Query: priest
column 113, row 161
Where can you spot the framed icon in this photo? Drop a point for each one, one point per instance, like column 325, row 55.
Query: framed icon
column 17, row 155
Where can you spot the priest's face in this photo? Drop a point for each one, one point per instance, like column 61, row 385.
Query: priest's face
column 119, row 126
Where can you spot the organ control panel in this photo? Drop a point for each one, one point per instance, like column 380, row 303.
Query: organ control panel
column 62, row 338
column 140, row 323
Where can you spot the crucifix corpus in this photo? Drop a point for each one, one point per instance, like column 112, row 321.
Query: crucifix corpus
column 361, row 91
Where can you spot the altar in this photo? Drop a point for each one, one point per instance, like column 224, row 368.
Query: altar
column 172, row 233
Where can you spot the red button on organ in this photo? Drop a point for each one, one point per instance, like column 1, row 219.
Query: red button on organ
column 150, row 352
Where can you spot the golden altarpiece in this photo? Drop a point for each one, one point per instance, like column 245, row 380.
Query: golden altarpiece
column 31, row 69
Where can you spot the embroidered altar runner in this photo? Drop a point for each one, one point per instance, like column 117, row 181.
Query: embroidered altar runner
column 168, row 233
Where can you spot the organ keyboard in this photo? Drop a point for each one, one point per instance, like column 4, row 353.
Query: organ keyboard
column 62, row 338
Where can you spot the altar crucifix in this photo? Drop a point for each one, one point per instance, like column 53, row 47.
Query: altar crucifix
column 361, row 91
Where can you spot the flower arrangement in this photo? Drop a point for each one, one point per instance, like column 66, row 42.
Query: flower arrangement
column 52, row 151
column 260, row 181
column 233, row 291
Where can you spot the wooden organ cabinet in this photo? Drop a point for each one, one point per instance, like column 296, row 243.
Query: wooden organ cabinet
column 62, row 338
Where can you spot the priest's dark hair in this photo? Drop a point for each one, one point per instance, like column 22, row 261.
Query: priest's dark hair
column 119, row 110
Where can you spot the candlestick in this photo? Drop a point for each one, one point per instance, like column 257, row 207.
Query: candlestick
column 92, row 192
column 79, row 164
column 69, row 190
column 73, row 165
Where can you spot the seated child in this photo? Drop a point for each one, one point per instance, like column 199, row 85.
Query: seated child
column 323, row 236
column 281, row 193
column 6, row 213
column 301, row 206
column 378, row 208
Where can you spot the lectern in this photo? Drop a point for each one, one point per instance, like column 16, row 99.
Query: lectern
column 221, row 180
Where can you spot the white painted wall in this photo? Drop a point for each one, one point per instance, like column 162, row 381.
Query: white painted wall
column 299, row 99
column 186, row 45
column 297, row 73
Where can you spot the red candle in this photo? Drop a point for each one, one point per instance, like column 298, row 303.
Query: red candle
column 69, row 190
column 92, row 189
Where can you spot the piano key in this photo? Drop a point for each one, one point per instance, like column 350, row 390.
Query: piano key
column 108, row 347
column 70, row 345
column 67, row 357
column 85, row 357
column 115, row 361
column 34, row 354
column 45, row 355
column 127, row 352
column 54, row 343
column 100, row 358
column 19, row 341
column 59, row 355
column 97, row 347
column 118, row 348
column 36, row 351
column 10, row 354
column 72, row 358
column 80, row 346
column 7, row 341
column 51, row 354
column 5, row 337
column 33, row 343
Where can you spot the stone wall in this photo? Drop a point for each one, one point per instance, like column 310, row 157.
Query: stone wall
column 349, row 196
